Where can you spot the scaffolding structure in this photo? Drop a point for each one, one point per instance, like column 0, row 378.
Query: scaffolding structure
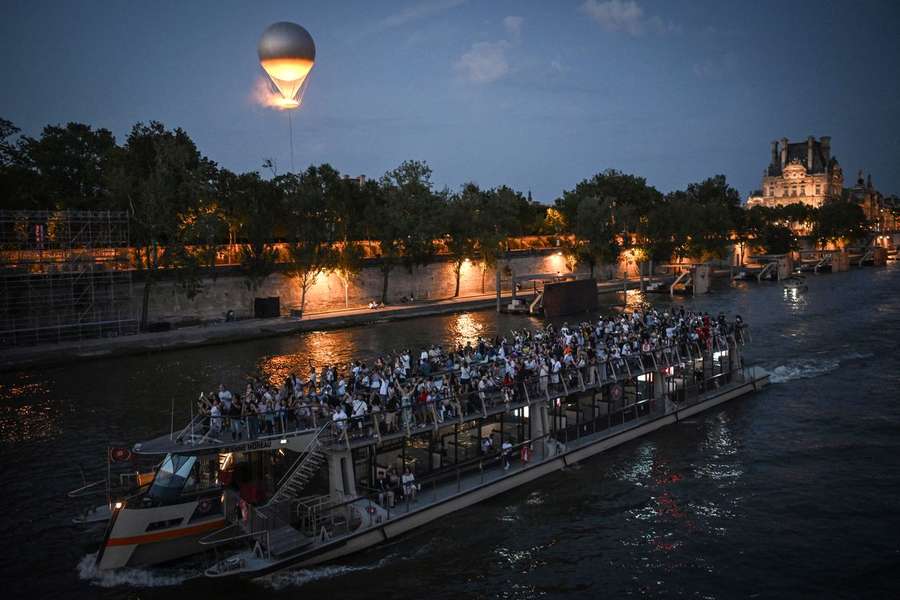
column 64, row 275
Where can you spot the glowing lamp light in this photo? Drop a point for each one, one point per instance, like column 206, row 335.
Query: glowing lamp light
column 118, row 505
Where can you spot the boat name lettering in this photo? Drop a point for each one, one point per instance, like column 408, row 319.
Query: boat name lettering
column 251, row 446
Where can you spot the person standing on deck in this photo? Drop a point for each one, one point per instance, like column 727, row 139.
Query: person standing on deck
column 506, row 449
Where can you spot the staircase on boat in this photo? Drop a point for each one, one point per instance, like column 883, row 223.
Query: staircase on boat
column 303, row 469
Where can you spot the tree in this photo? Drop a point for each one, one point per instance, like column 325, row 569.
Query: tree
column 255, row 207
column 159, row 175
column 70, row 163
column 309, row 200
column 386, row 227
column 603, row 213
column 777, row 239
column 202, row 230
column 462, row 228
column 406, row 219
column 596, row 237
column 15, row 179
column 711, row 209
column 840, row 221
column 495, row 222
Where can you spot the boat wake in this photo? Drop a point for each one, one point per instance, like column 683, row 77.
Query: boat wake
column 131, row 577
column 302, row 577
column 807, row 368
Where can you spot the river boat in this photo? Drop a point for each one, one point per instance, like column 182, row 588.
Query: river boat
column 333, row 500
column 164, row 512
column 795, row 283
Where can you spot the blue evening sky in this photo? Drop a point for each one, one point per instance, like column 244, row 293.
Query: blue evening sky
column 536, row 95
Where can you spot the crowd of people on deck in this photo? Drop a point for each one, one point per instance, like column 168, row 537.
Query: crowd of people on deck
column 404, row 390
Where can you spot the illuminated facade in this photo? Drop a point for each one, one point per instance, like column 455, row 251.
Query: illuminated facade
column 871, row 201
column 800, row 172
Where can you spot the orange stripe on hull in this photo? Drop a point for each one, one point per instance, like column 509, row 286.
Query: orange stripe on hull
column 161, row 536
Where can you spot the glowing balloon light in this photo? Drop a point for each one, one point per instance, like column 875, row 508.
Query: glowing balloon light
column 287, row 53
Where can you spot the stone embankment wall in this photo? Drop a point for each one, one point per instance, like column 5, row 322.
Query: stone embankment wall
column 435, row 281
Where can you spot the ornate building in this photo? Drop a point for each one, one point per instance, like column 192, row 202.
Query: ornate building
column 870, row 199
column 800, row 172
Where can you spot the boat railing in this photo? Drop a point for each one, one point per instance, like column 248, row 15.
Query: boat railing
column 208, row 429
column 464, row 404
column 454, row 400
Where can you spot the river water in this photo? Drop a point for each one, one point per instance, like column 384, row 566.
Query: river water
column 792, row 491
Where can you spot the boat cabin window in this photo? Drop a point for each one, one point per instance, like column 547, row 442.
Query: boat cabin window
column 180, row 474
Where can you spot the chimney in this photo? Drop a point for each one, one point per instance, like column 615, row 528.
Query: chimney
column 784, row 152
column 809, row 153
column 774, row 162
column 825, row 140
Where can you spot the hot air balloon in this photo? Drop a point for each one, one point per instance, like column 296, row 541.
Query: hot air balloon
column 287, row 53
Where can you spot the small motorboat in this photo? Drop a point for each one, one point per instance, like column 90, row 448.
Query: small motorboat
column 795, row 283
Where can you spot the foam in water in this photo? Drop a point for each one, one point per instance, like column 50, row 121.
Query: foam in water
column 145, row 578
column 807, row 368
column 300, row 577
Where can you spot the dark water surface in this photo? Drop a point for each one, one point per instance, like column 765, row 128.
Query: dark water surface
column 791, row 492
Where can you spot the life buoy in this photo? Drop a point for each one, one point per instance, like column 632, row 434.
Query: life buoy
column 119, row 454
column 615, row 392
column 204, row 506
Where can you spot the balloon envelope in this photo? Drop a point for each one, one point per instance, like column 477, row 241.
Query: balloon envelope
column 287, row 53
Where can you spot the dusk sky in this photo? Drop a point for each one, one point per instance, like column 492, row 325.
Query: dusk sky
column 535, row 95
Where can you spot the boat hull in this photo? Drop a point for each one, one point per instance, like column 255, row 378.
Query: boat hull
column 132, row 539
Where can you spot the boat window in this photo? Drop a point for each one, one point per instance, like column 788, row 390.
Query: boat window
column 172, row 476
column 157, row 525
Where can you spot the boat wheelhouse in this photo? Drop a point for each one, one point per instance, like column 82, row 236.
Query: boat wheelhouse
column 182, row 500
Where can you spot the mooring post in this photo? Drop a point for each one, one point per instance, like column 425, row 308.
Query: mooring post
column 497, row 269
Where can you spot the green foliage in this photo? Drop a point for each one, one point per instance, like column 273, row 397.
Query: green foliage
column 840, row 220
column 603, row 212
column 776, row 239
column 159, row 175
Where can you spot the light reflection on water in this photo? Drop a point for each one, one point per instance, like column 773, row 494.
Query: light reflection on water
column 340, row 347
column 466, row 329
column 28, row 413
column 795, row 298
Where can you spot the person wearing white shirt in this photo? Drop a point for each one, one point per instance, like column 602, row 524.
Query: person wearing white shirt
column 339, row 418
column 225, row 398
column 506, row 450
column 215, row 418
column 409, row 485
